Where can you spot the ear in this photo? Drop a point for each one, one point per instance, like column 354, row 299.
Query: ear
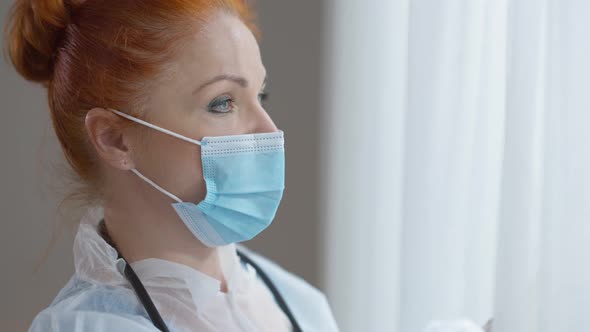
column 106, row 131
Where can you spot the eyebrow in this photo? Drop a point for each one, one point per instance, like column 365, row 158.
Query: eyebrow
column 225, row 77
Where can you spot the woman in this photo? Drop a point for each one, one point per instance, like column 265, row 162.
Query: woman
column 157, row 106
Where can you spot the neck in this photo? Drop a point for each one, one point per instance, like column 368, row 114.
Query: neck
column 152, row 231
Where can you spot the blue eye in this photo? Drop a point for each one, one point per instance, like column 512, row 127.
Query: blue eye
column 262, row 97
column 224, row 104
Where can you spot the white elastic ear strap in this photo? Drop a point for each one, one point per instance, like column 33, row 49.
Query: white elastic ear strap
column 153, row 184
column 160, row 129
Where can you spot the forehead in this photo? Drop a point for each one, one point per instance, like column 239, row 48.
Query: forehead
column 223, row 45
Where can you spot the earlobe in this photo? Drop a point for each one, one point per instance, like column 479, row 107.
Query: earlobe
column 106, row 133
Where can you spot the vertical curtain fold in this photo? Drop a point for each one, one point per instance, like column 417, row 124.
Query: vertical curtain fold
column 456, row 163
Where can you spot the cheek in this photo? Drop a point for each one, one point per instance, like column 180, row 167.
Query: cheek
column 189, row 182
column 185, row 172
column 175, row 165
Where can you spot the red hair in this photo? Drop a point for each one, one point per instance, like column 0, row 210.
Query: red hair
column 101, row 53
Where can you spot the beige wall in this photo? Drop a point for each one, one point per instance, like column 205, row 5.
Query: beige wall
column 30, row 193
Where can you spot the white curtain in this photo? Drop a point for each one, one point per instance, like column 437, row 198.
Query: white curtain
column 456, row 163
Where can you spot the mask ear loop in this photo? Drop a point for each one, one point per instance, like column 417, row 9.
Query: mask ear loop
column 147, row 124
column 165, row 131
column 153, row 184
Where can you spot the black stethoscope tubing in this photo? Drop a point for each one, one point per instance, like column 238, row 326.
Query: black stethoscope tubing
column 156, row 318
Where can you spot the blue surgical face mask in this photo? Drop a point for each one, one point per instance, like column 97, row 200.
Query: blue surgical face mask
column 245, row 179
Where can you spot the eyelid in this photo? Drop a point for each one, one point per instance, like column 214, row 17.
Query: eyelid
column 219, row 100
column 224, row 98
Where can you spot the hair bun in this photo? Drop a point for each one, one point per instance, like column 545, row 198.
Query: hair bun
column 33, row 32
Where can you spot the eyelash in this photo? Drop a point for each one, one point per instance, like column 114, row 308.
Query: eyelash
column 219, row 102
column 262, row 97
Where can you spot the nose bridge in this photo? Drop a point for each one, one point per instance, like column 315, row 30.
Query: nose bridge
column 260, row 121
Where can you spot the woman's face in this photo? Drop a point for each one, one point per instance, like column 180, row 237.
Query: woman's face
column 214, row 89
